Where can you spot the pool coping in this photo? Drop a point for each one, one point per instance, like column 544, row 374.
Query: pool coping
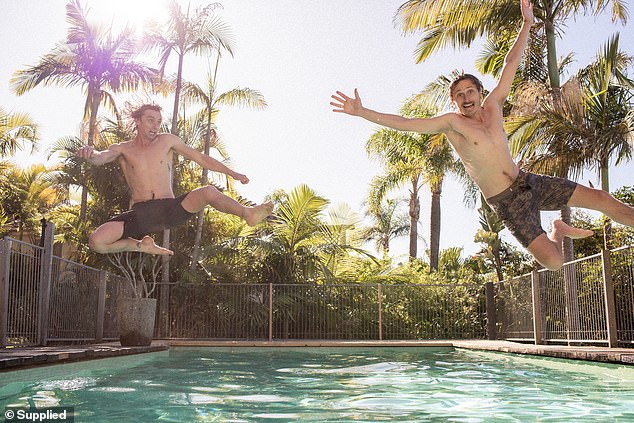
column 17, row 358
column 587, row 353
column 22, row 357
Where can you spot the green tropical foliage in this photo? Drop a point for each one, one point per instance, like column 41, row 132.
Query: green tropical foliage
column 16, row 129
column 26, row 196
column 415, row 160
column 197, row 31
column 386, row 224
column 589, row 127
column 90, row 57
column 211, row 101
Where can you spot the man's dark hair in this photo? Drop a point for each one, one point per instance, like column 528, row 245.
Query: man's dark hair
column 138, row 112
column 462, row 77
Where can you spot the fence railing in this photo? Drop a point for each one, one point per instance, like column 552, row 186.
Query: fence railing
column 44, row 298
column 589, row 301
column 343, row 311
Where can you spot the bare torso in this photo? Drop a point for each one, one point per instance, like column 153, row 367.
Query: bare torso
column 482, row 145
column 147, row 168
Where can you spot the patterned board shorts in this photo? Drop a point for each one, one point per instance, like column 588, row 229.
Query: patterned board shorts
column 152, row 216
column 519, row 205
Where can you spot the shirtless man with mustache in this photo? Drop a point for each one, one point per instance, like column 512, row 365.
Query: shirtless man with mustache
column 477, row 135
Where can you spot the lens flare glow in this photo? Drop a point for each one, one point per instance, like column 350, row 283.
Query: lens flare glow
column 134, row 13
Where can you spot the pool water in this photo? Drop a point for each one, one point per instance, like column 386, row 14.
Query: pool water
column 327, row 385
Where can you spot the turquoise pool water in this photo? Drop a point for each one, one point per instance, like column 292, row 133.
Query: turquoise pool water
column 328, row 385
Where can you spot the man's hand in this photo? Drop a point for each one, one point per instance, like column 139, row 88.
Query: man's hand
column 86, row 152
column 345, row 104
column 240, row 177
column 527, row 12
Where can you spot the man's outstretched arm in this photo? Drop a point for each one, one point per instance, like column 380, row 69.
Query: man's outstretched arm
column 204, row 160
column 98, row 158
column 353, row 106
column 514, row 56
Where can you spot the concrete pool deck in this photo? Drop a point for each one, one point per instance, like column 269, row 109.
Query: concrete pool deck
column 16, row 358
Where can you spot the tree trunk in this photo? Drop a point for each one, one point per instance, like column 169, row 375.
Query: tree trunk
column 605, row 186
column 164, row 288
column 94, row 97
column 434, row 232
column 204, row 180
column 414, row 215
column 552, row 63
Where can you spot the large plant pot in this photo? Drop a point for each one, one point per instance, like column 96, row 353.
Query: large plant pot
column 136, row 321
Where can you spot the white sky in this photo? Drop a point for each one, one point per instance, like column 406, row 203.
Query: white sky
column 297, row 53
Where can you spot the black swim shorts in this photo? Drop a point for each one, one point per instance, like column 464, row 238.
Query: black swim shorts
column 519, row 205
column 152, row 216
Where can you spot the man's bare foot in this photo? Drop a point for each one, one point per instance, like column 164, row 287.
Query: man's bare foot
column 147, row 245
column 561, row 230
column 254, row 215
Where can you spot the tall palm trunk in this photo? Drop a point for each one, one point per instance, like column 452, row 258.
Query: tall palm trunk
column 570, row 280
column 210, row 140
column 414, row 216
column 164, row 291
column 555, row 84
column 94, row 97
column 177, row 94
column 434, row 230
column 605, row 186
column 204, row 179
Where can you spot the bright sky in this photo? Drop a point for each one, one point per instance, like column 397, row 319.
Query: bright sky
column 297, row 53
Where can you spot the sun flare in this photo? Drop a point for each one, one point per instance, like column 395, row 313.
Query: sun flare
column 135, row 13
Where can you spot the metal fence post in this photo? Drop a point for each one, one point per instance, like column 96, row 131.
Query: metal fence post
column 5, row 255
column 101, row 305
column 490, row 308
column 270, row 311
column 46, row 264
column 537, row 307
column 608, row 296
column 380, row 313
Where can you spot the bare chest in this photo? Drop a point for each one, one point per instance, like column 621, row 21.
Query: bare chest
column 151, row 159
column 479, row 138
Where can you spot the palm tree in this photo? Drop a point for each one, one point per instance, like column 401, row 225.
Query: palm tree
column 299, row 245
column 416, row 159
column 15, row 130
column 458, row 23
column 292, row 240
column 592, row 125
column 198, row 31
column 387, row 224
column 211, row 100
column 27, row 196
column 90, row 57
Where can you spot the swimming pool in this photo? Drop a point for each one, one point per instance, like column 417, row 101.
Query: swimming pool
column 346, row 384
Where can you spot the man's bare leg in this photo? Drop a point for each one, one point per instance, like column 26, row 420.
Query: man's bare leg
column 547, row 248
column 602, row 201
column 200, row 198
column 146, row 245
column 107, row 239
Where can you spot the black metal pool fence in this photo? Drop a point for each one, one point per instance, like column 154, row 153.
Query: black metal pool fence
column 46, row 299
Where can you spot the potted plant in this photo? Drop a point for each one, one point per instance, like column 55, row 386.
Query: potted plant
column 136, row 313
